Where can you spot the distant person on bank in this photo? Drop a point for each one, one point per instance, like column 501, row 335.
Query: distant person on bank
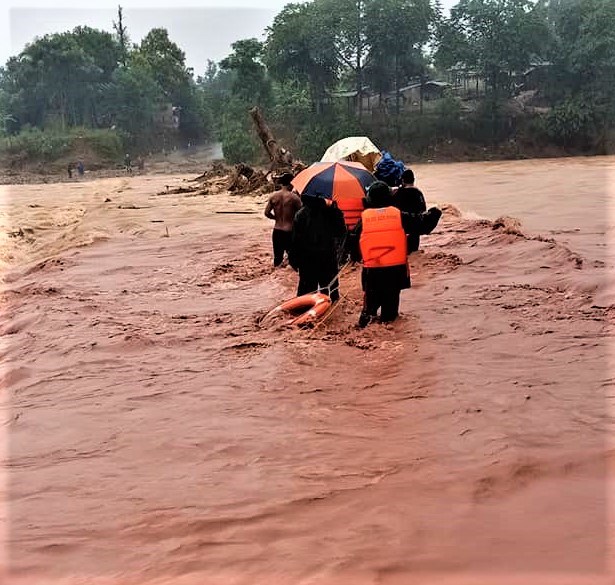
column 282, row 207
column 410, row 200
column 379, row 239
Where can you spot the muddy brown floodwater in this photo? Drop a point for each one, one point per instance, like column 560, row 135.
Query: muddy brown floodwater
column 155, row 431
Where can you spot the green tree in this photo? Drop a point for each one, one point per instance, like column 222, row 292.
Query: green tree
column 131, row 101
column 251, row 84
column 58, row 78
column 293, row 104
column 498, row 38
column 101, row 47
column 122, row 35
column 238, row 141
column 300, row 48
column 394, row 59
column 8, row 123
column 167, row 65
column 215, row 90
column 582, row 72
column 348, row 23
column 166, row 61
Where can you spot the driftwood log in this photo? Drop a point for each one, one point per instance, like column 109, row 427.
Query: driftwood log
column 246, row 180
column 280, row 158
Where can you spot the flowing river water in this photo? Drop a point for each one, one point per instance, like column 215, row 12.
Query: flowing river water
column 156, row 431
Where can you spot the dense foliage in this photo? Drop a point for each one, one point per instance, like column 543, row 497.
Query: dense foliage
column 92, row 80
column 316, row 62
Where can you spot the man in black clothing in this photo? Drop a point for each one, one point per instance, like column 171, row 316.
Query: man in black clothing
column 317, row 227
column 385, row 273
column 410, row 199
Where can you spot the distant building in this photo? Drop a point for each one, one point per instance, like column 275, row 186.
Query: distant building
column 468, row 83
column 465, row 81
column 409, row 96
column 350, row 99
column 535, row 76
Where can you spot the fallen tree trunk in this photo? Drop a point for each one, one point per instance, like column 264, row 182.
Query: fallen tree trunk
column 280, row 158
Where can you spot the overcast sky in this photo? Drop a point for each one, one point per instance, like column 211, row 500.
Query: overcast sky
column 204, row 29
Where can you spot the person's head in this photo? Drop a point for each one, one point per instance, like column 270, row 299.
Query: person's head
column 378, row 195
column 286, row 180
column 407, row 177
column 313, row 201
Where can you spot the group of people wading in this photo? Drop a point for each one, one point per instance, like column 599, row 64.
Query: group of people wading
column 313, row 234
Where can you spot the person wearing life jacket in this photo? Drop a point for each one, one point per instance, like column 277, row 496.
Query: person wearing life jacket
column 380, row 241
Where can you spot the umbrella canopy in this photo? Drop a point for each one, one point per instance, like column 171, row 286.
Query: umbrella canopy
column 356, row 149
column 344, row 182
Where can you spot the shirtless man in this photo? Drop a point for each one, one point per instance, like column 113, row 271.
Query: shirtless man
column 281, row 207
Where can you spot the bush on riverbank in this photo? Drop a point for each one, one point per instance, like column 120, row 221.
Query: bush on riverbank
column 56, row 148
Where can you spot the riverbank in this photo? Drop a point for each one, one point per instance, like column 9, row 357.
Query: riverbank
column 196, row 160
column 193, row 160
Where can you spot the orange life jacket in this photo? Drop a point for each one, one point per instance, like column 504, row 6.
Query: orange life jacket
column 351, row 208
column 383, row 240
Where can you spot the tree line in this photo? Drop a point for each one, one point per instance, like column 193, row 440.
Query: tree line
column 312, row 50
column 92, row 79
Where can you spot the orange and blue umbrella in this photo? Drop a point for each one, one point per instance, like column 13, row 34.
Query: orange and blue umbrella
column 343, row 181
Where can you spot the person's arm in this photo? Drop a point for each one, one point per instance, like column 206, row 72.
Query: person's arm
column 354, row 237
column 297, row 202
column 431, row 217
column 294, row 254
column 420, row 201
column 269, row 209
column 339, row 224
column 421, row 223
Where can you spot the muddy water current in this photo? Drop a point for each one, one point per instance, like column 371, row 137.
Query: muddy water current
column 156, row 430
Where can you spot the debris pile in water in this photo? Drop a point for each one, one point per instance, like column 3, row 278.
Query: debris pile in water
column 240, row 179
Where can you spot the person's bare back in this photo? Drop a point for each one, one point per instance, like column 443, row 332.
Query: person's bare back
column 282, row 206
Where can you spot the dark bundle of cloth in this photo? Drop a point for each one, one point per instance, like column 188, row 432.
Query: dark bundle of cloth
column 389, row 170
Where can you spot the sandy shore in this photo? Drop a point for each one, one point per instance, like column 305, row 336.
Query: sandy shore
column 156, row 432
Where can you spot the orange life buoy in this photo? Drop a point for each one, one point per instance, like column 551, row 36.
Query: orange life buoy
column 310, row 307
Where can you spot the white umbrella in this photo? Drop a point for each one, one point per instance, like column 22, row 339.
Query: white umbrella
column 356, row 149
